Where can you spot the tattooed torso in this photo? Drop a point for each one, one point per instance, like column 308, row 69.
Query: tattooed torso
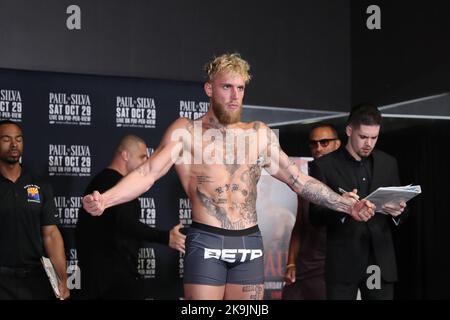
column 222, row 183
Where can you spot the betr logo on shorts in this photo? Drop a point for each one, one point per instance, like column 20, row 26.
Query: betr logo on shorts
column 232, row 255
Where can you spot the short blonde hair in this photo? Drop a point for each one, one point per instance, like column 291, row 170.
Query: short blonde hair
column 229, row 62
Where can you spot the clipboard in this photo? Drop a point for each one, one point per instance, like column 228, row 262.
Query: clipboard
column 384, row 195
column 51, row 274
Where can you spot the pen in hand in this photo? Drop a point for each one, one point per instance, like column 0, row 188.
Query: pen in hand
column 352, row 194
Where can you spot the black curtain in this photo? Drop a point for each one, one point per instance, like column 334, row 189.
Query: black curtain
column 422, row 241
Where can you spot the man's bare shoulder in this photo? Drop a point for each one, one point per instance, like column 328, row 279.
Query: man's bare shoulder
column 181, row 123
column 179, row 129
column 255, row 125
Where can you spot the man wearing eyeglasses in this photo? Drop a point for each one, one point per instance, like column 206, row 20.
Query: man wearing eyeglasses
column 305, row 268
column 323, row 139
column 359, row 255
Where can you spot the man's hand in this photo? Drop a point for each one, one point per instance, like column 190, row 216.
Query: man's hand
column 290, row 275
column 177, row 239
column 364, row 213
column 64, row 292
column 94, row 203
column 362, row 210
column 394, row 209
column 353, row 194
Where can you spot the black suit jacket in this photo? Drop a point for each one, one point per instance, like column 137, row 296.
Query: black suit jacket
column 348, row 242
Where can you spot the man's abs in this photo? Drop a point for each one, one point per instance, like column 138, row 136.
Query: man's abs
column 222, row 196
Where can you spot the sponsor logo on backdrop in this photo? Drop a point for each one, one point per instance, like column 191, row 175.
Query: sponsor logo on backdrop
column 73, row 270
column 67, row 210
column 69, row 160
column 185, row 211
column 146, row 263
column 193, row 109
column 72, row 257
column 185, row 216
column 10, row 105
column 181, row 264
column 69, row 109
column 135, row 112
column 148, row 211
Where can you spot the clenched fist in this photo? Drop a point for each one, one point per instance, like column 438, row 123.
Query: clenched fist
column 94, row 203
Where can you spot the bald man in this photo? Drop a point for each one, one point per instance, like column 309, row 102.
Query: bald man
column 108, row 245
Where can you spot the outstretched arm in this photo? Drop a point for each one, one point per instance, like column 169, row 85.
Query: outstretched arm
column 142, row 178
column 281, row 167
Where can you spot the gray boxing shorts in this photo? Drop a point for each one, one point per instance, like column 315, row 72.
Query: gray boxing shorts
column 216, row 256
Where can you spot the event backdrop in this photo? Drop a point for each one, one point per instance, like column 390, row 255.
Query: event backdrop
column 71, row 125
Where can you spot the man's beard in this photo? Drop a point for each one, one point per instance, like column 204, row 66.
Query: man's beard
column 224, row 116
column 364, row 154
column 10, row 160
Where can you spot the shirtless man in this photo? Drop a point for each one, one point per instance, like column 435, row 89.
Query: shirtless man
column 219, row 160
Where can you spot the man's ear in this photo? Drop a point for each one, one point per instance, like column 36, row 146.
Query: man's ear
column 208, row 89
column 125, row 155
column 338, row 143
column 348, row 130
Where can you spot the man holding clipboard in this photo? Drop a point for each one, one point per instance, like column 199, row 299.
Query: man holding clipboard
column 357, row 249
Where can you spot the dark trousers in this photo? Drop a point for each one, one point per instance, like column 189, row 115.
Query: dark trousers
column 125, row 287
column 32, row 286
column 116, row 286
column 305, row 289
column 349, row 291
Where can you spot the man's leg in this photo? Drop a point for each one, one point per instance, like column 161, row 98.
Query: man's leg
column 342, row 291
column 204, row 275
column 8, row 288
column 292, row 291
column 203, row 292
column 124, row 286
column 386, row 291
column 313, row 288
column 245, row 278
column 244, row 292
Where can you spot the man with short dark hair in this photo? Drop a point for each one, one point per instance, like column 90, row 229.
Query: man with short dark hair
column 28, row 226
column 353, row 246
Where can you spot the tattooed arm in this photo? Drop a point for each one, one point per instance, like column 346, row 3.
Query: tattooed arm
column 142, row 178
column 281, row 167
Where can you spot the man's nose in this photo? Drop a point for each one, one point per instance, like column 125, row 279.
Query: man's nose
column 234, row 93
